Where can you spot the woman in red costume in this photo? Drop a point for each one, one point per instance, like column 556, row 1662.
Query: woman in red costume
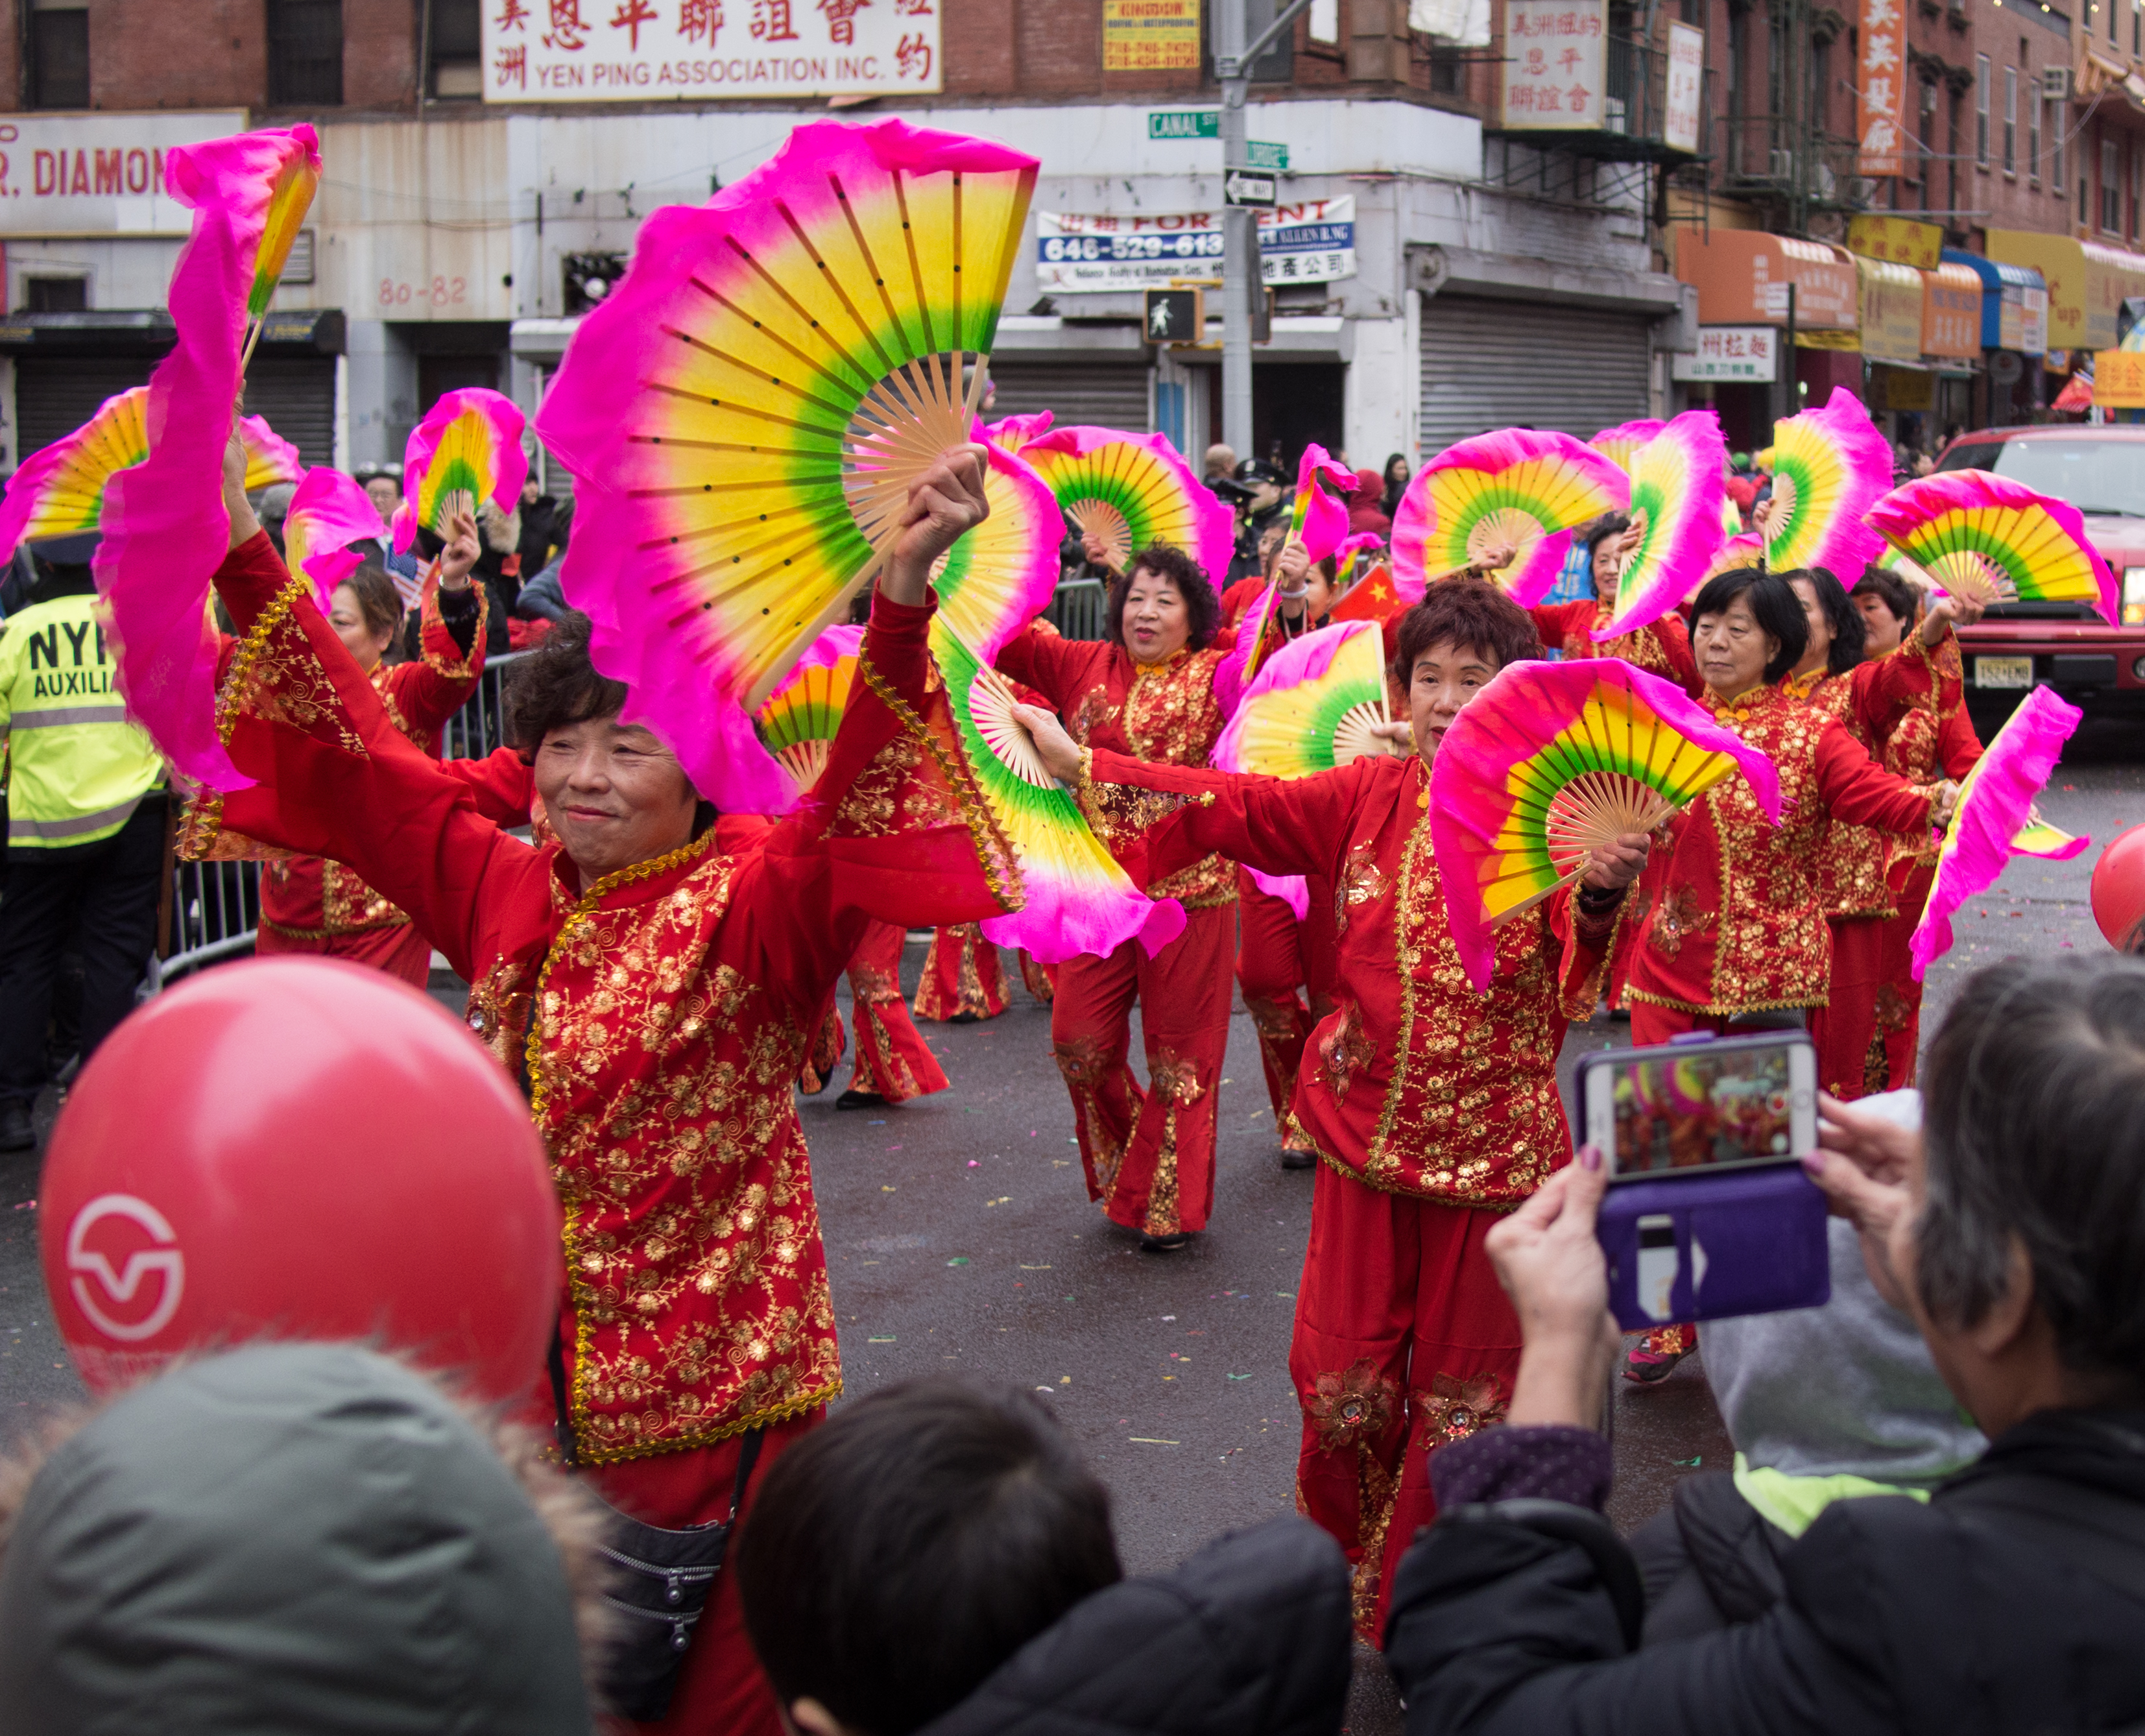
column 961, row 982
column 311, row 905
column 894, row 1062
column 1435, row 1109
column 655, row 994
column 1661, row 648
column 1150, row 689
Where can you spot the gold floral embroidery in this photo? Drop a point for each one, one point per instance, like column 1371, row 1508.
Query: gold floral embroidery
column 1361, row 882
column 1345, row 1048
column 1353, row 1406
column 1681, row 913
column 1086, row 1066
column 1453, row 1408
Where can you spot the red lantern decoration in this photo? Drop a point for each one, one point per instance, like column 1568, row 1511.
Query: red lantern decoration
column 300, row 1148
column 2119, row 891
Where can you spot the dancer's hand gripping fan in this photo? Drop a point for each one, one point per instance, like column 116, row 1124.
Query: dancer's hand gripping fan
column 990, row 584
column 1520, row 489
column 1552, row 761
column 1317, row 704
column 1990, row 540
column 745, row 415
column 1994, row 820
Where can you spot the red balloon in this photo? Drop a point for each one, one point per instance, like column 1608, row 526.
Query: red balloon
column 2118, row 887
column 300, row 1148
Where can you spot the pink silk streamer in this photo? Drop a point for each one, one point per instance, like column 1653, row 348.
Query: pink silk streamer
column 165, row 530
column 1318, row 519
column 265, row 446
column 328, row 512
column 1995, row 804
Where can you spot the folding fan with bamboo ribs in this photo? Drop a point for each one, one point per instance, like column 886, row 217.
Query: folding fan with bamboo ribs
column 466, row 449
column 1519, row 488
column 1552, row 761
column 1677, row 487
column 1131, row 491
column 1829, row 466
column 746, row 413
column 1620, row 443
column 990, row 584
column 1989, row 539
column 327, row 513
column 799, row 722
column 1994, row 820
column 59, row 491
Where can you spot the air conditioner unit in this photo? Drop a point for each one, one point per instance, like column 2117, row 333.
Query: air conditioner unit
column 1612, row 114
column 1823, row 184
column 1861, row 192
column 1782, row 166
column 2055, row 84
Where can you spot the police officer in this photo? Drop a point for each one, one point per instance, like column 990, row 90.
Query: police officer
column 84, row 827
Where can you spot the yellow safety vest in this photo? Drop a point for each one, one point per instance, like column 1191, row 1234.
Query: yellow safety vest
column 78, row 768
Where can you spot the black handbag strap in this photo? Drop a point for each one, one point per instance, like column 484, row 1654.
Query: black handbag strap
column 563, row 1427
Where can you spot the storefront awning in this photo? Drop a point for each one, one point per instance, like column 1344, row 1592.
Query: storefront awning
column 1742, row 276
column 1891, row 298
column 2087, row 283
column 1951, row 311
column 2014, row 302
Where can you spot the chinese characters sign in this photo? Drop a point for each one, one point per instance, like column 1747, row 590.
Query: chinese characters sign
column 1686, row 86
column 1311, row 242
column 1553, row 64
column 1900, row 240
column 598, row 51
column 1728, row 353
column 1140, row 36
column 1881, row 81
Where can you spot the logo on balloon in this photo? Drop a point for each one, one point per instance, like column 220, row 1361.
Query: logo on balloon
column 120, row 1288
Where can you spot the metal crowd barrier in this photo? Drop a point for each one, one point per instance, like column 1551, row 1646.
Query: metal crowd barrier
column 1076, row 608
column 216, row 906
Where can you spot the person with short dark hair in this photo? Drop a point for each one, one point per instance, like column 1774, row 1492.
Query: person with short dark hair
column 1160, row 684
column 1433, row 1109
column 654, row 992
column 311, row 905
column 2011, row 1230
column 938, row 1560
column 1661, row 648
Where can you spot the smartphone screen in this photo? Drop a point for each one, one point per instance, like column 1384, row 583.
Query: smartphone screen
column 1702, row 1106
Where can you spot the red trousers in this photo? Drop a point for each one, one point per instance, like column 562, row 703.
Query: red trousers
column 721, row 1690
column 1899, row 1020
column 1149, row 1155
column 1851, row 1056
column 891, row 1056
column 1039, row 978
column 1404, row 1341
column 960, row 976
column 1275, row 954
column 401, row 951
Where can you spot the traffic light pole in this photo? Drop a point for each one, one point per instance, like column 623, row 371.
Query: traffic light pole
column 1240, row 253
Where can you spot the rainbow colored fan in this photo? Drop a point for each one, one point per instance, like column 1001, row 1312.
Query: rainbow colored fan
column 1990, row 540
column 328, row 512
column 999, row 576
column 1619, row 443
column 1520, row 489
column 1012, row 432
column 467, row 449
column 1317, row 517
column 1829, row 466
column 1350, row 557
column 59, row 491
column 1077, row 899
column 749, row 410
column 1313, row 706
column 799, row 722
column 270, row 458
column 1550, row 762
column 1130, row 491
column 1995, row 812
column 1677, row 487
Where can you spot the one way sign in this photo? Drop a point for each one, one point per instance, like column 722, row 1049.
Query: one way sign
column 1244, row 187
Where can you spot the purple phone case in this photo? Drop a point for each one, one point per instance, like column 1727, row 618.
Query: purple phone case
column 1747, row 1242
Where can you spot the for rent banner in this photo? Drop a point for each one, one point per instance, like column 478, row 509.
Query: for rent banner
column 622, row 50
column 1311, row 242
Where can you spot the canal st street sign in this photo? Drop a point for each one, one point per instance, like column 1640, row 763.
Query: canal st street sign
column 1198, row 123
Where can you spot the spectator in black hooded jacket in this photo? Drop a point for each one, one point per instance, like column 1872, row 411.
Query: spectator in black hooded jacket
column 2012, row 1231
column 937, row 1559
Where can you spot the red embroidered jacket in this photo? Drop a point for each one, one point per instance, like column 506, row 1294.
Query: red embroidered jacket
column 662, row 1014
column 1165, row 712
column 1737, row 926
column 311, row 897
column 1662, row 648
column 1414, row 1084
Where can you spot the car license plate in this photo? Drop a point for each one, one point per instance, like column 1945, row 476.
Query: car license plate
column 2003, row 672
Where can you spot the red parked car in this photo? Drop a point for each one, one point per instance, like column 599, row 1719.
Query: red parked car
column 2100, row 470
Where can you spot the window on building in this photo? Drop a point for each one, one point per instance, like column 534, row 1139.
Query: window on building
column 305, row 53
column 2113, row 20
column 2111, row 185
column 59, row 54
column 2136, row 175
column 2032, row 134
column 56, row 295
column 2055, row 146
column 457, row 68
column 1981, row 95
column 2010, row 119
column 1925, row 132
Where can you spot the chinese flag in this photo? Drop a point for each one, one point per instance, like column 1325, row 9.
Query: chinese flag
column 1371, row 597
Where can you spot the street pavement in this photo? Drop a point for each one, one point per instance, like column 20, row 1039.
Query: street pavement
column 960, row 1240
